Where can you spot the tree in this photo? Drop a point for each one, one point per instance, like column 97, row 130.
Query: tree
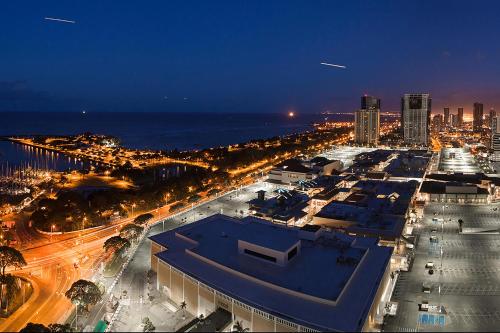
column 9, row 256
column 60, row 328
column 116, row 245
column 143, row 218
column 238, row 327
column 183, row 308
column 131, row 231
column 460, row 225
column 34, row 328
column 148, row 325
column 53, row 328
column 83, row 293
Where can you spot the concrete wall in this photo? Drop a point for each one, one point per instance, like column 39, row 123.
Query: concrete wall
column 370, row 320
column 201, row 299
column 155, row 248
column 330, row 222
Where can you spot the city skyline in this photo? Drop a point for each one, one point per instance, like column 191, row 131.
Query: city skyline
column 249, row 166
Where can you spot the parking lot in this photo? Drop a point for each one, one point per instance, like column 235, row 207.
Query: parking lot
column 467, row 285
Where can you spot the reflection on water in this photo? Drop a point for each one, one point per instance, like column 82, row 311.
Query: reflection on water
column 14, row 155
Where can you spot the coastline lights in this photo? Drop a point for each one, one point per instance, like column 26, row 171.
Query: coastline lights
column 291, row 114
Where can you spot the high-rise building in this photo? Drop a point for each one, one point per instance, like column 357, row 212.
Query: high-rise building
column 367, row 121
column 477, row 121
column 455, row 121
column 493, row 116
column 437, row 123
column 446, row 116
column 460, row 117
column 370, row 102
column 495, row 140
column 415, row 118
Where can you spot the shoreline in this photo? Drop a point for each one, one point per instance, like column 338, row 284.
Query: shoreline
column 27, row 140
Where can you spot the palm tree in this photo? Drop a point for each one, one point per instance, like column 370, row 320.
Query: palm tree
column 9, row 256
column 238, row 327
column 183, row 308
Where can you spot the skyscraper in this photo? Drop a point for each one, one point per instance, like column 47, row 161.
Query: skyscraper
column 437, row 123
column 454, row 121
column 367, row 121
column 415, row 118
column 477, row 121
column 493, row 116
column 495, row 140
column 446, row 116
column 460, row 117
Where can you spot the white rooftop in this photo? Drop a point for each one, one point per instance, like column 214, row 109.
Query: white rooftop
column 316, row 290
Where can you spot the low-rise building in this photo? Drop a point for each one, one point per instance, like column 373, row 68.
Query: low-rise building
column 370, row 161
column 453, row 192
column 323, row 166
column 294, row 170
column 290, row 172
column 372, row 207
column 288, row 207
column 273, row 278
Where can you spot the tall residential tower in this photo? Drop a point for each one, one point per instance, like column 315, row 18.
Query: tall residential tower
column 446, row 116
column 367, row 121
column 415, row 118
column 460, row 117
column 477, row 122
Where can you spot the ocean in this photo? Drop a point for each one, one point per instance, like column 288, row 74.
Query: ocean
column 159, row 131
column 144, row 130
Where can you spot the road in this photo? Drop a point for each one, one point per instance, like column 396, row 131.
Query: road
column 132, row 280
column 51, row 264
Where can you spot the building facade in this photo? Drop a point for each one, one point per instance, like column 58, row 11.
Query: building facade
column 272, row 278
column 438, row 123
column 415, row 118
column 455, row 121
column 367, row 121
column 493, row 117
column 477, row 121
column 460, row 115
column 495, row 140
column 446, row 115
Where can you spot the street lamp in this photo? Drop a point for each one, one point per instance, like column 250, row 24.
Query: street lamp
column 133, row 206
column 51, row 231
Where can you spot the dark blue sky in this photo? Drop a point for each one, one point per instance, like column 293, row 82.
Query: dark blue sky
column 246, row 56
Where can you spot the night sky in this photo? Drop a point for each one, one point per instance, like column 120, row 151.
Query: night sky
column 246, row 56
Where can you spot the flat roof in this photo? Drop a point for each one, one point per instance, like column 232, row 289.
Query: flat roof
column 341, row 293
column 374, row 205
column 293, row 165
column 457, row 160
column 409, row 164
